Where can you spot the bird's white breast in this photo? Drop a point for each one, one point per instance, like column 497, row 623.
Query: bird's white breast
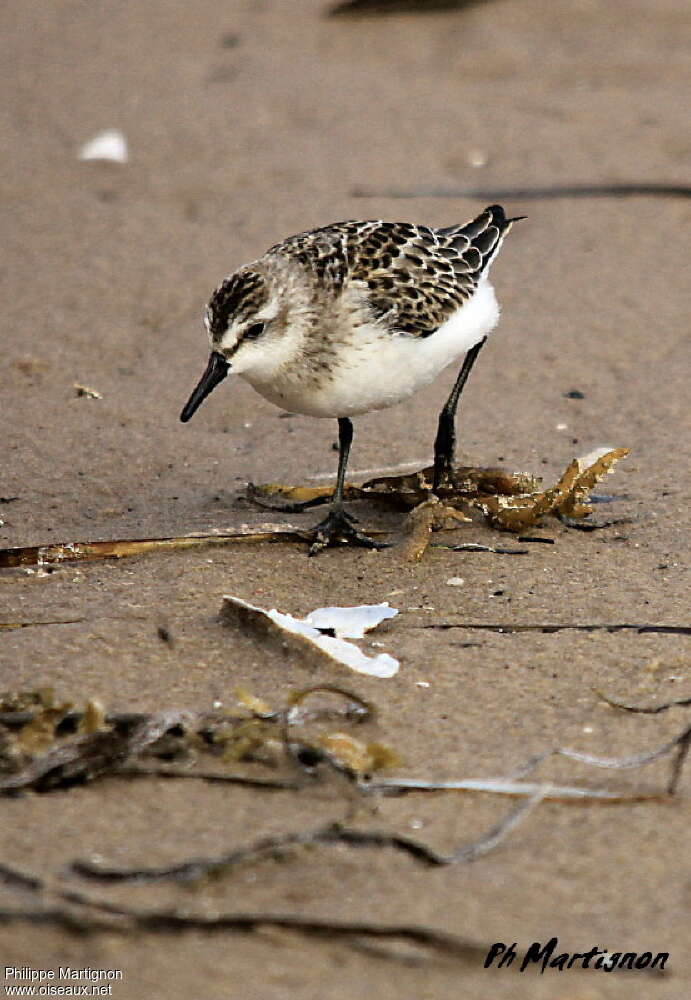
column 375, row 368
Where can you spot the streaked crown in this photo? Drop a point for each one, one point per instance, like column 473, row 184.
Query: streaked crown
column 238, row 299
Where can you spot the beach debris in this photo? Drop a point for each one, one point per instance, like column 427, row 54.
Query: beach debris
column 516, row 504
column 109, row 145
column 9, row 626
column 548, row 791
column 547, row 628
column 79, row 912
column 474, row 547
column 569, row 496
column 300, row 637
column 350, row 623
column 370, row 7
column 44, row 555
column 47, row 744
column 85, row 756
column 510, row 501
column 84, row 390
column 330, row 834
column 165, row 634
column 341, row 751
column 355, row 757
column 428, row 516
column 644, row 709
column 257, row 706
column 476, row 158
column 76, row 736
column 678, row 748
column 626, row 189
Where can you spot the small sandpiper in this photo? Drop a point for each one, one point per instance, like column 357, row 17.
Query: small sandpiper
column 353, row 317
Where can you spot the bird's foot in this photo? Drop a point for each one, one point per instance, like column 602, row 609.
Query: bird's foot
column 338, row 528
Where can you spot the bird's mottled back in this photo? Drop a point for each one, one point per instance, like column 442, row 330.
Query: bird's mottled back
column 414, row 277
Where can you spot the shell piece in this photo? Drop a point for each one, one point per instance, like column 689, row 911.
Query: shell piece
column 295, row 633
column 350, row 623
column 108, row 145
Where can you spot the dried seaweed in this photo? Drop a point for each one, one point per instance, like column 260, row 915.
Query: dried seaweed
column 220, row 777
column 87, row 914
column 510, row 501
column 644, row 709
column 509, row 627
column 175, row 922
column 342, row 752
column 428, row 516
column 683, row 745
column 46, row 555
column 474, row 547
column 360, row 8
column 615, row 763
column 60, row 916
column 356, row 708
column 90, row 755
column 9, row 626
column 510, row 786
column 17, row 879
column 293, row 499
column 80, row 912
column 547, row 791
column 46, row 746
column 567, row 498
column 331, row 834
column 610, row 522
column 406, row 491
column 625, row 189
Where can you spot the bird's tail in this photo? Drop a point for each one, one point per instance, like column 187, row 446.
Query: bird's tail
column 486, row 233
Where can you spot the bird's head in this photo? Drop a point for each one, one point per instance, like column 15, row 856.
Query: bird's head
column 253, row 323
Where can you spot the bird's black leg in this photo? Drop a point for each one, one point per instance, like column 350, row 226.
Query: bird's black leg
column 337, row 528
column 445, row 441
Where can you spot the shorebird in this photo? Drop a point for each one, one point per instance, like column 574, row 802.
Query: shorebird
column 353, row 317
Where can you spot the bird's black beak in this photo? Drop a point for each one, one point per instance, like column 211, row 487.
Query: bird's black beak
column 216, row 371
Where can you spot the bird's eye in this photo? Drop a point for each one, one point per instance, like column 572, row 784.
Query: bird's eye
column 254, row 331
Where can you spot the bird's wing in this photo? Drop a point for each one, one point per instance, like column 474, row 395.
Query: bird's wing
column 414, row 277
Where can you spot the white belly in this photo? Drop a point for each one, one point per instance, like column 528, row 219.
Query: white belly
column 379, row 369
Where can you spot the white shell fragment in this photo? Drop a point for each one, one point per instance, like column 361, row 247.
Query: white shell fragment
column 306, row 639
column 350, row 623
column 109, row 145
